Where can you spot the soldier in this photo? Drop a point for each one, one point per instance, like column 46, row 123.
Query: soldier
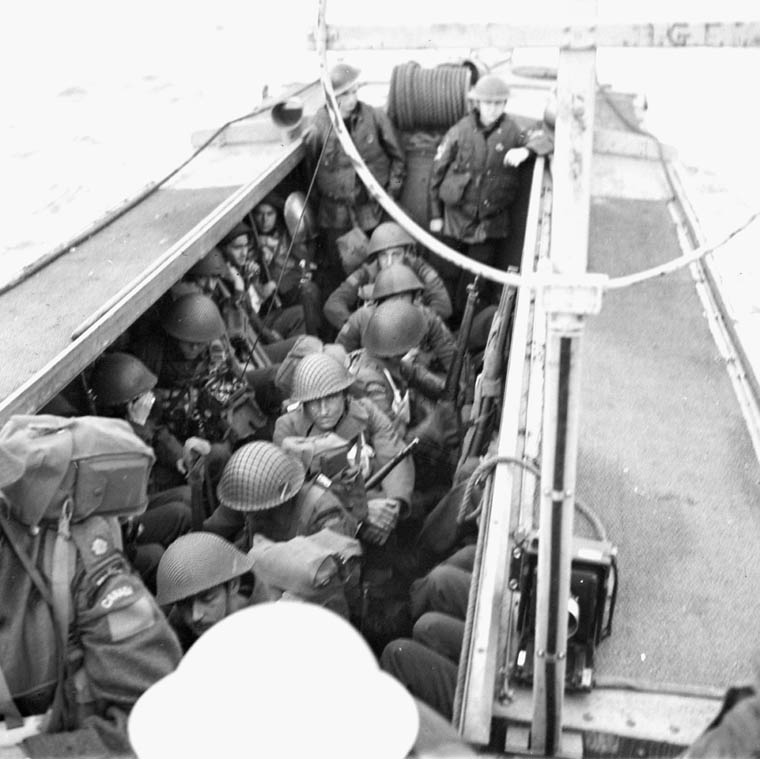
column 399, row 283
column 390, row 244
column 474, row 179
column 117, row 642
column 200, row 577
column 122, row 387
column 388, row 371
column 321, row 387
column 343, row 200
column 199, row 382
column 284, row 277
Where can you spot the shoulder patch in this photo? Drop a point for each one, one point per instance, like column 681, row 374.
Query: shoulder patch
column 132, row 619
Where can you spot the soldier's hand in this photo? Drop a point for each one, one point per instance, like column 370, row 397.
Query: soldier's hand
column 237, row 281
column 515, row 156
column 382, row 516
column 436, row 225
column 193, row 449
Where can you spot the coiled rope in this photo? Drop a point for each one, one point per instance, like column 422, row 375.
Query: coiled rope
column 427, row 99
column 486, row 466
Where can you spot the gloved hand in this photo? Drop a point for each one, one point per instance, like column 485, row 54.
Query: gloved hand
column 515, row 156
column 436, row 225
column 382, row 516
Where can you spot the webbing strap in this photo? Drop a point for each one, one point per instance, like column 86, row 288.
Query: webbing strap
column 58, row 710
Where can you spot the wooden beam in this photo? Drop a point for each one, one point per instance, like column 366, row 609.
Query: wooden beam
column 563, row 36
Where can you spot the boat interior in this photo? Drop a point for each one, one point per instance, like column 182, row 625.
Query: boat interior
column 667, row 468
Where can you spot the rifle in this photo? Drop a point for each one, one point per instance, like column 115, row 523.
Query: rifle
column 385, row 470
column 455, row 370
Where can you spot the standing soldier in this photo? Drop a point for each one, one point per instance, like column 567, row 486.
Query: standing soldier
column 343, row 200
column 474, row 179
column 390, row 244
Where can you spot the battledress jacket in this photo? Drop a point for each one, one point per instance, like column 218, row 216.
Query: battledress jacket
column 344, row 300
column 470, row 187
column 361, row 415
column 337, row 182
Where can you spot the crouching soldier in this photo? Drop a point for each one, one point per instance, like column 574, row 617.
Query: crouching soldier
column 122, row 387
column 389, row 372
column 390, row 244
column 199, row 385
column 436, row 346
column 321, row 387
column 301, row 533
column 203, row 578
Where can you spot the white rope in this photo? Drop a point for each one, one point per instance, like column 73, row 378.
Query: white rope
column 529, row 280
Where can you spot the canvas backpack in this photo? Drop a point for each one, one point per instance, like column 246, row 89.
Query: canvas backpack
column 60, row 521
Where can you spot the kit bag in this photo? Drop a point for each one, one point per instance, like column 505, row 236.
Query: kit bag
column 353, row 246
column 60, row 547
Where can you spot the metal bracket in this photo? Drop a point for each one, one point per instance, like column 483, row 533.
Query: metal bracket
column 577, row 294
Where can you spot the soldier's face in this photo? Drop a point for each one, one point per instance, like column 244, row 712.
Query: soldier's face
column 204, row 610
column 326, row 412
column 389, row 256
column 190, row 351
column 237, row 249
column 265, row 217
column 490, row 110
column 347, row 101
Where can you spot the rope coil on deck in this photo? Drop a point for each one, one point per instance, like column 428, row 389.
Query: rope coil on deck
column 427, row 99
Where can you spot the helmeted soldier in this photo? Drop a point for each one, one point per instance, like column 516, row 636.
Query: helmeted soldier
column 321, row 387
column 203, row 578
column 399, row 282
column 262, row 491
column 343, row 199
column 474, row 179
column 199, row 381
column 388, row 371
column 122, row 387
column 390, row 244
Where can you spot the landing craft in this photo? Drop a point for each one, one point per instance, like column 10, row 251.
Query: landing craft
column 614, row 592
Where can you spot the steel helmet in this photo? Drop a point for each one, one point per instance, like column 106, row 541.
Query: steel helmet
column 388, row 235
column 317, row 376
column 259, row 476
column 394, row 328
column 490, row 87
column 253, row 662
column 343, row 77
column 194, row 318
column 299, row 218
column 196, row 562
column 212, row 264
column 394, row 280
column 118, row 378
